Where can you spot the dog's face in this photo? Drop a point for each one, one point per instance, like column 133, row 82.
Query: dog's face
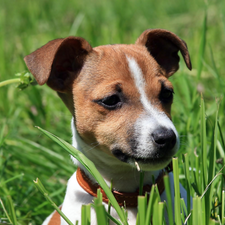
column 123, row 102
column 120, row 95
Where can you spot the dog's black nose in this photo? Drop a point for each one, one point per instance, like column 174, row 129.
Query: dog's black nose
column 164, row 139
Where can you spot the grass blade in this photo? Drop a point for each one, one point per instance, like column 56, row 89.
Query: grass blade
column 100, row 209
column 161, row 213
column 202, row 47
column 155, row 214
column 11, row 81
column 183, row 209
column 212, row 152
column 197, row 184
column 211, row 173
column 197, row 211
column 83, row 215
column 203, row 145
column 221, row 135
column 150, row 206
column 109, row 203
column 11, row 179
column 215, row 70
column 12, row 212
column 42, row 189
column 142, row 209
column 91, row 169
column 177, row 208
column 188, row 182
column 86, row 214
column 223, row 207
column 5, row 211
column 169, row 199
column 142, row 174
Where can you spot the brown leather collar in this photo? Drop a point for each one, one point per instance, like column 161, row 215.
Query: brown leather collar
column 129, row 198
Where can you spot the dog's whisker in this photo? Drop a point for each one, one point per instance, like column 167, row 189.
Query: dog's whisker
column 94, row 143
column 93, row 147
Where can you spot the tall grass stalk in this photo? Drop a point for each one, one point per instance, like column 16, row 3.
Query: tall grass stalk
column 91, row 169
column 202, row 47
column 26, row 25
column 41, row 188
column 152, row 209
column 177, row 207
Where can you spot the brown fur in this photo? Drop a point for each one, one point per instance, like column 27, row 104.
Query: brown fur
column 82, row 75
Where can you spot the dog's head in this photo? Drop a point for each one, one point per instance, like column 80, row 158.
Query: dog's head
column 119, row 95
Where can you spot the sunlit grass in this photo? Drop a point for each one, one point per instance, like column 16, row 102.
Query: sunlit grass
column 25, row 153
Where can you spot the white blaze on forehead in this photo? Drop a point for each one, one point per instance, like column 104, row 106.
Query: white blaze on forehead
column 151, row 118
column 137, row 74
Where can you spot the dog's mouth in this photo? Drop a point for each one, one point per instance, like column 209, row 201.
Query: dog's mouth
column 155, row 160
column 151, row 150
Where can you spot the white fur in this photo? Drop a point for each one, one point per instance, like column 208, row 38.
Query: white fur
column 110, row 168
column 125, row 177
column 151, row 118
column 76, row 196
column 48, row 219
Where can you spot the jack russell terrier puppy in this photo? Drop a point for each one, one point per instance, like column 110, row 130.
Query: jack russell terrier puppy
column 120, row 99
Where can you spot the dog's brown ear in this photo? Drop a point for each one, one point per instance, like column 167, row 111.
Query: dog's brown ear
column 164, row 45
column 58, row 62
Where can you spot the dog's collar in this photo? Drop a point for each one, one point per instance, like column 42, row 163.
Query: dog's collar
column 130, row 199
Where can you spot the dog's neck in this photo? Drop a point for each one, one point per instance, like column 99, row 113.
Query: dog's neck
column 123, row 176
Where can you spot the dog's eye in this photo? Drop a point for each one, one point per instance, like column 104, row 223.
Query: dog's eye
column 110, row 102
column 166, row 95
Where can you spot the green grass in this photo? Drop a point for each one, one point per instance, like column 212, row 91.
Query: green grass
column 25, row 153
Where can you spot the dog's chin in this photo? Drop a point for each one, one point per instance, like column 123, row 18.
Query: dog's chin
column 149, row 164
column 144, row 164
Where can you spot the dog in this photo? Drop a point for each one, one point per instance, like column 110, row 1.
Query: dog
column 120, row 99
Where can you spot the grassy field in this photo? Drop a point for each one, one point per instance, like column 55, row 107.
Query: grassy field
column 25, row 153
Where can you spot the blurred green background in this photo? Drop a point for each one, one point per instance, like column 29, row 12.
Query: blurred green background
column 25, row 25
